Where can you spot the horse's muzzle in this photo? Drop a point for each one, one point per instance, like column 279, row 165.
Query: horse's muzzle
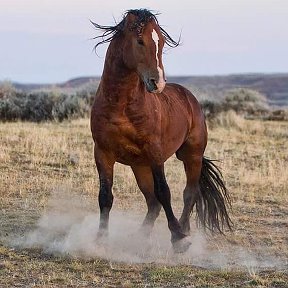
column 152, row 86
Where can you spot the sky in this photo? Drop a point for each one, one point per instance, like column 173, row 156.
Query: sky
column 50, row 41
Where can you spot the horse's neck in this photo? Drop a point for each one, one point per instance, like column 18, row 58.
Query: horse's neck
column 119, row 84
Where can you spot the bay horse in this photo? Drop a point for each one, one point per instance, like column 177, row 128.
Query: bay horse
column 139, row 120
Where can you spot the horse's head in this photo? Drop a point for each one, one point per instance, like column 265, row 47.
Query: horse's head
column 142, row 41
column 140, row 46
column 142, row 49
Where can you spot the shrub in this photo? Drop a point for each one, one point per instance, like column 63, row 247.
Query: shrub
column 69, row 106
column 43, row 106
column 211, row 108
column 228, row 119
column 10, row 108
column 245, row 101
column 38, row 107
column 278, row 115
column 7, row 89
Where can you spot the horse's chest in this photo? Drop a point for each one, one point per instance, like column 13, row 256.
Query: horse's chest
column 121, row 137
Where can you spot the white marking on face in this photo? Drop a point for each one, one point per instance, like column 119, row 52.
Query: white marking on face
column 161, row 82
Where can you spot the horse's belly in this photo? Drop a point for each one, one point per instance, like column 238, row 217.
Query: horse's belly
column 130, row 154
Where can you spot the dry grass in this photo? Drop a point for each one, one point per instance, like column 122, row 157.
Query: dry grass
column 35, row 159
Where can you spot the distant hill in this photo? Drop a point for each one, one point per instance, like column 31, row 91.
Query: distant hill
column 273, row 86
column 70, row 85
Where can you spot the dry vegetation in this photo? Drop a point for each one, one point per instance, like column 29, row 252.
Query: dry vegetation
column 36, row 159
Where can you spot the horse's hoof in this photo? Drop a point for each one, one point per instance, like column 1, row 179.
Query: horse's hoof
column 181, row 246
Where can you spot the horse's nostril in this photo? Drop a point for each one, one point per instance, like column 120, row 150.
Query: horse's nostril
column 153, row 82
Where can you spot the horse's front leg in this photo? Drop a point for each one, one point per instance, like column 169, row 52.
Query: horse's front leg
column 162, row 192
column 105, row 164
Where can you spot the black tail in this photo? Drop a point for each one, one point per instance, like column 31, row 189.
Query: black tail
column 211, row 204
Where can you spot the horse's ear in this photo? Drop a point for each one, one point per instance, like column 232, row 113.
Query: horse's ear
column 129, row 21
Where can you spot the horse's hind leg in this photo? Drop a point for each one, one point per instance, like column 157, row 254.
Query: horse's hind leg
column 192, row 165
column 144, row 178
column 162, row 192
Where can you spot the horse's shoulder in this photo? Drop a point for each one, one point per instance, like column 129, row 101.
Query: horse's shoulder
column 181, row 92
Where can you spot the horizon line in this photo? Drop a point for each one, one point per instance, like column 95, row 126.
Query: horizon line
column 178, row 76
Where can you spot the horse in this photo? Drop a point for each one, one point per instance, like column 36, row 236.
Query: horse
column 139, row 120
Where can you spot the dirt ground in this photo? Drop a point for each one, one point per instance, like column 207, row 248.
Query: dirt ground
column 49, row 213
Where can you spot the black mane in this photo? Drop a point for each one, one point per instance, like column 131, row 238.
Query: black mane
column 143, row 17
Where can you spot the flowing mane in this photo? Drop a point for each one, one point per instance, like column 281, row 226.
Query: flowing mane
column 144, row 16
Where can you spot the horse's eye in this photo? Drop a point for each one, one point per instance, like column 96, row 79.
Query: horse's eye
column 140, row 42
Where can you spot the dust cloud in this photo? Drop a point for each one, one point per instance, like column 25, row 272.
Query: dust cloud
column 69, row 226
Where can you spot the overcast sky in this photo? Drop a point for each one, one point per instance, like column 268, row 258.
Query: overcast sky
column 48, row 40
